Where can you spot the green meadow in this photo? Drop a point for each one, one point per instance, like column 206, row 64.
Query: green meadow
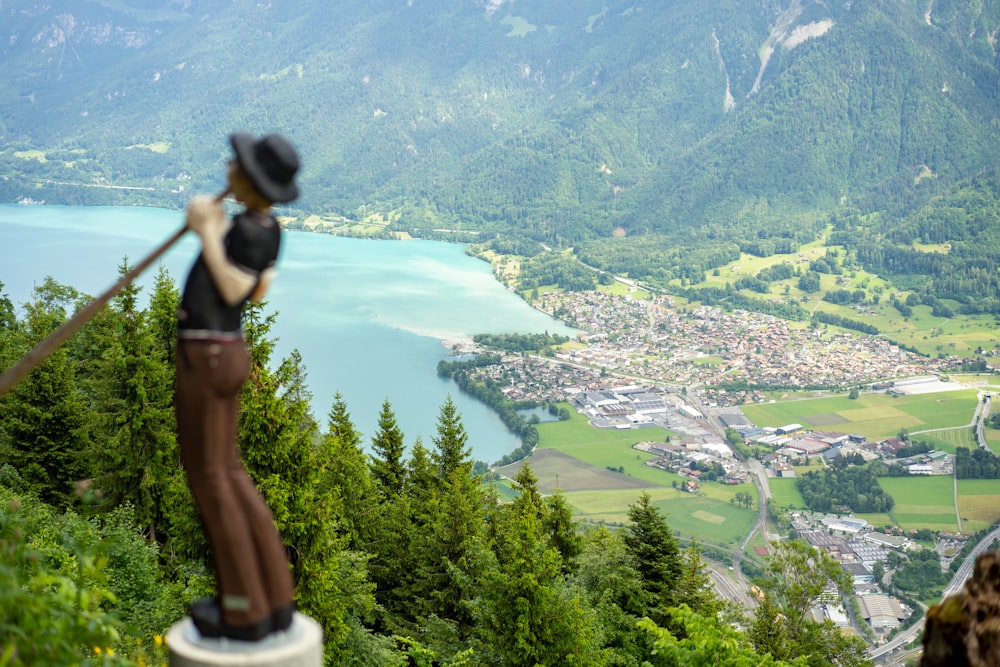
column 708, row 519
column 784, row 493
column 877, row 416
column 962, row 335
column 576, row 457
column 978, row 503
column 922, row 502
column 604, row 447
column 993, row 439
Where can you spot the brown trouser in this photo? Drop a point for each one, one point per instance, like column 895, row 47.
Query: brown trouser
column 251, row 567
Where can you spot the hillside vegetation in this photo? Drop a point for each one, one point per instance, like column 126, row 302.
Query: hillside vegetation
column 658, row 140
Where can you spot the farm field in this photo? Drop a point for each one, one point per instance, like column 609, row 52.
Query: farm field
column 711, row 521
column 978, row 503
column 949, row 440
column 603, row 447
column 584, row 463
column 922, row 502
column 784, row 493
column 877, row 416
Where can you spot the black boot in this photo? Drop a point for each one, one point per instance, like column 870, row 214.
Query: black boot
column 206, row 614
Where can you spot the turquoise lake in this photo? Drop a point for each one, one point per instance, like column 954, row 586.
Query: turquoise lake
column 368, row 317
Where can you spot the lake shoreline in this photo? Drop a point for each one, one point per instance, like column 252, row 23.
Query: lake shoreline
column 370, row 321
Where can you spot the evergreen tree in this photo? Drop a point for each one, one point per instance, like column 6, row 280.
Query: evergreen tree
column 657, row 555
column 694, row 586
column 388, row 448
column 421, row 477
column 528, row 500
column 562, row 530
column 163, row 305
column 450, row 518
column 277, row 441
column 451, row 451
column 138, row 454
column 608, row 573
column 346, row 472
column 44, row 415
column 768, row 629
column 8, row 319
column 525, row 613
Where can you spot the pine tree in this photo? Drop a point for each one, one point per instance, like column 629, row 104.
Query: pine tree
column 657, row 555
column 450, row 518
column 163, row 305
column 138, row 455
column 44, row 415
column 388, row 448
column 421, row 476
column 562, row 530
column 695, row 586
column 346, row 473
column 277, row 441
column 451, row 451
column 525, row 613
column 608, row 573
column 8, row 319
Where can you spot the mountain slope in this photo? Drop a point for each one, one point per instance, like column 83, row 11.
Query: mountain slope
column 563, row 120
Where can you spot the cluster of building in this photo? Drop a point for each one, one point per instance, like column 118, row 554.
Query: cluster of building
column 707, row 346
column 857, row 547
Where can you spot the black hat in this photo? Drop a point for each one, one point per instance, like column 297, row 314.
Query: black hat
column 270, row 163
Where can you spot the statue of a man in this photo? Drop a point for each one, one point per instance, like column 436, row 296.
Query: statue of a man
column 236, row 264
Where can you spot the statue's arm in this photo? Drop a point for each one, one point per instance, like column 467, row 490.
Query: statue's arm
column 207, row 218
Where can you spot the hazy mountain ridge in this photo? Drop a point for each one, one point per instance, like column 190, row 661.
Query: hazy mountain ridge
column 564, row 120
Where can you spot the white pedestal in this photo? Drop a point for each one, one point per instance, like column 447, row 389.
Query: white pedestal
column 301, row 645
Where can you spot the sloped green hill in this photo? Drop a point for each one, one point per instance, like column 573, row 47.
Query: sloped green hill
column 564, row 120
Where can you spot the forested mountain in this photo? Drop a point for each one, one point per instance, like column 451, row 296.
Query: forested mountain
column 563, row 120
column 659, row 140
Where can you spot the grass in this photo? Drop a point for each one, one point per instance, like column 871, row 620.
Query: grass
column 877, row 416
column 157, row 147
column 978, row 503
column 962, row 335
column 785, row 493
column 576, row 457
column 604, row 447
column 519, row 26
column 621, row 289
column 711, row 521
column 31, row 155
column 950, row 440
column 993, row 439
column 922, row 502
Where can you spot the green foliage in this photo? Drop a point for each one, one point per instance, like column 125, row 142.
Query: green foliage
column 78, row 591
column 44, row 415
column 514, row 342
column 525, row 613
column 921, row 574
column 855, row 488
column 136, row 459
column 387, row 463
column 706, row 640
column 977, row 464
column 796, row 578
column 657, row 556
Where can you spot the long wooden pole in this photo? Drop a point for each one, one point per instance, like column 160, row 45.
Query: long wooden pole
column 40, row 352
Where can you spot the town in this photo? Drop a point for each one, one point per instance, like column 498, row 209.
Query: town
column 645, row 363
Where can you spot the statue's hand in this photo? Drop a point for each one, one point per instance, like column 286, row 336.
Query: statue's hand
column 206, row 217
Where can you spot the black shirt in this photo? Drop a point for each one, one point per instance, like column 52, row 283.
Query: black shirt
column 252, row 243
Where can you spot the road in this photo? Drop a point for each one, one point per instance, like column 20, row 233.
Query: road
column 957, row 582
